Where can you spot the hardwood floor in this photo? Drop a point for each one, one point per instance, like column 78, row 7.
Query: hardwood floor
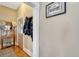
column 19, row 52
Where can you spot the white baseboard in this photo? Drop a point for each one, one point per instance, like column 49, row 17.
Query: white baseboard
column 27, row 51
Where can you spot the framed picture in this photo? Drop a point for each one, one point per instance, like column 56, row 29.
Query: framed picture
column 55, row 8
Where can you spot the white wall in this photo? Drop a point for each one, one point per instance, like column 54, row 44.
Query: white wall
column 36, row 12
column 59, row 35
column 8, row 14
column 26, row 41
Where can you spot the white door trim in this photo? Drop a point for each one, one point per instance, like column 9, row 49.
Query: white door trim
column 35, row 6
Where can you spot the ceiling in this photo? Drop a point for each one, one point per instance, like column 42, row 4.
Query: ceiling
column 12, row 5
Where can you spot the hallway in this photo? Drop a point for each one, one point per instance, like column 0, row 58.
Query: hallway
column 13, row 51
column 15, row 40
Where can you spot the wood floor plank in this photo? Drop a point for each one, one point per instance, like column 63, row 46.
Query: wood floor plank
column 19, row 52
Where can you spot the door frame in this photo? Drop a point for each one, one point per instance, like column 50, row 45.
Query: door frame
column 36, row 8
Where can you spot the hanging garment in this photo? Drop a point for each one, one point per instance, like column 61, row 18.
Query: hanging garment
column 25, row 27
column 28, row 27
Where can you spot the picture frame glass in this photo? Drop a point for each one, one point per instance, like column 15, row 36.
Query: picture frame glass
column 55, row 8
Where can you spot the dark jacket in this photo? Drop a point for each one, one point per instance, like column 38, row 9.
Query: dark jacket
column 28, row 27
column 25, row 27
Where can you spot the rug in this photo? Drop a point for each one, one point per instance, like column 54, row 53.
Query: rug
column 7, row 52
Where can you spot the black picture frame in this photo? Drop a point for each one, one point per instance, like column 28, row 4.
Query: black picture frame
column 59, row 13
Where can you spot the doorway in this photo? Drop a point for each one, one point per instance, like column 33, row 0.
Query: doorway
column 36, row 8
column 36, row 12
column 35, row 42
column 25, row 28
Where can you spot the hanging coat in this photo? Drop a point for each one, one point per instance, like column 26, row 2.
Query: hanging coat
column 28, row 27
column 25, row 27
